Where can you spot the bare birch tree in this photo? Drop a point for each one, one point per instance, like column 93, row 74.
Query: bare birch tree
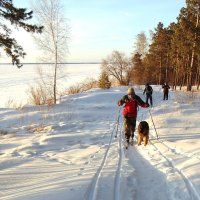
column 141, row 44
column 54, row 39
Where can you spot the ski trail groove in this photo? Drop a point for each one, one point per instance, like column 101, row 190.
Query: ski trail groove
column 149, row 181
column 191, row 189
column 92, row 191
column 182, row 153
column 118, row 172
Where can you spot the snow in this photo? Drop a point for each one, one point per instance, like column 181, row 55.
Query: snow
column 70, row 151
column 15, row 82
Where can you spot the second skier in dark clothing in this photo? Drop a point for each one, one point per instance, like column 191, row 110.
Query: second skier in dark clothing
column 165, row 91
column 149, row 91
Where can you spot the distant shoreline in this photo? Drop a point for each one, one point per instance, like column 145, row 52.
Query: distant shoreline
column 67, row 63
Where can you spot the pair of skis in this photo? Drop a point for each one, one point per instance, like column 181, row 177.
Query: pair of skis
column 127, row 144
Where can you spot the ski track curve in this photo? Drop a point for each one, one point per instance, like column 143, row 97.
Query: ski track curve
column 159, row 145
column 93, row 189
column 190, row 187
column 179, row 152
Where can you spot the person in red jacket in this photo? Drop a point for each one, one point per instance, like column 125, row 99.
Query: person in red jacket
column 131, row 103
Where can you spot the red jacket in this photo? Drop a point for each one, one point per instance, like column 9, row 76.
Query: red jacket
column 131, row 105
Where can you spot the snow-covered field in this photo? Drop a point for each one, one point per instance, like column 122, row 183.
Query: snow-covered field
column 15, row 82
column 70, row 152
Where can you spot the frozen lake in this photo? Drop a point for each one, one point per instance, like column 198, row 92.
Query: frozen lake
column 14, row 82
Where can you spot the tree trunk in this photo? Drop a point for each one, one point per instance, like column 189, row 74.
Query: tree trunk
column 160, row 72
column 190, row 82
column 183, row 81
column 55, row 77
column 175, row 72
column 175, row 81
column 187, row 70
column 198, row 81
column 175, row 78
column 166, row 69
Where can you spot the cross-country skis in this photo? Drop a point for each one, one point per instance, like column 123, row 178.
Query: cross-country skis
column 127, row 144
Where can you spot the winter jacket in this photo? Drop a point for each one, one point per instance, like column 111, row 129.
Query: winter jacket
column 165, row 88
column 130, row 105
column 148, row 89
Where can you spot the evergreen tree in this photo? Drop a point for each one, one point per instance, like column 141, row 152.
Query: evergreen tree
column 185, row 46
column 179, row 53
column 159, row 49
column 191, row 19
column 138, row 69
column 174, row 52
column 104, row 82
column 150, row 69
column 17, row 17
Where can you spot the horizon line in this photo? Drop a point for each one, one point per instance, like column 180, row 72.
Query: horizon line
column 50, row 63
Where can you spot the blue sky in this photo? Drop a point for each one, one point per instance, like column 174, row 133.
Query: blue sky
column 97, row 27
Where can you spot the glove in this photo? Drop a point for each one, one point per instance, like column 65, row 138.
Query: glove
column 146, row 105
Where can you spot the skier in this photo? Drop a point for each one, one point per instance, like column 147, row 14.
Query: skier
column 149, row 91
column 130, row 102
column 165, row 91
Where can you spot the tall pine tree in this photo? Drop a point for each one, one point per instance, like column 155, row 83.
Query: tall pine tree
column 17, row 17
column 104, row 82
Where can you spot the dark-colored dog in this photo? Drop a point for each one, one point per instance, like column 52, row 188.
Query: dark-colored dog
column 143, row 133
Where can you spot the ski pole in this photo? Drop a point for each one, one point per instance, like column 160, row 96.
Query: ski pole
column 118, row 122
column 153, row 123
column 142, row 117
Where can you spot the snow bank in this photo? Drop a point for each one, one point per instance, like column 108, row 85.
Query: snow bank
column 70, row 151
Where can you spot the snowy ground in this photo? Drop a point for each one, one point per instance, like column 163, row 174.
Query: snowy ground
column 70, row 152
column 15, row 83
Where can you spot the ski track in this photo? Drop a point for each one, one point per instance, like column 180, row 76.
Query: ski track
column 94, row 190
column 191, row 189
column 150, row 183
column 118, row 171
column 146, row 179
column 179, row 152
column 110, row 180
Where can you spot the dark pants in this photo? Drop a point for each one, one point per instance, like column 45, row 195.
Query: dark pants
column 165, row 96
column 129, row 127
column 149, row 97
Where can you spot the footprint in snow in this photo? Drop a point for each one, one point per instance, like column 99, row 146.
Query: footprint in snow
column 173, row 150
column 15, row 154
column 62, row 124
column 86, row 163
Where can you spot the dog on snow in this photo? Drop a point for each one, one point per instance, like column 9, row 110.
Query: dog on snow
column 143, row 133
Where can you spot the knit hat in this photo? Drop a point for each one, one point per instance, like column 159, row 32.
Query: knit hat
column 131, row 91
